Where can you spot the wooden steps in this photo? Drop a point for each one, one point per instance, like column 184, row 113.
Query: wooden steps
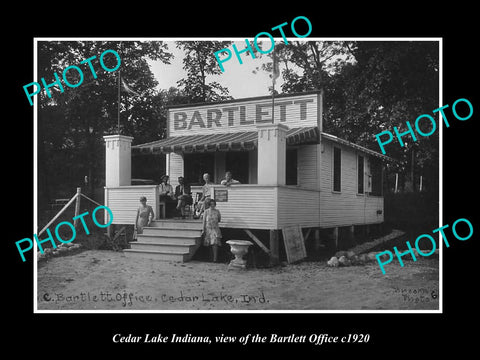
column 167, row 240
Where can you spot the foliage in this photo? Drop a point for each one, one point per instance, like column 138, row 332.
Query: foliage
column 71, row 124
column 414, row 213
column 199, row 62
column 390, row 83
column 307, row 65
column 370, row 86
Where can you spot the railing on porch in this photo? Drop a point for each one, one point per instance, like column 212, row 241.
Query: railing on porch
column 243, row 206
column 124, row 201
column 253, row 206
column 75, row 198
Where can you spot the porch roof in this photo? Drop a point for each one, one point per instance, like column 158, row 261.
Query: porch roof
column 357, row 147
column 244, row 140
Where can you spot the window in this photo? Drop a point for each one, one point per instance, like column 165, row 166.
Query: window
column 337, row 168
column 360, row 174
column 291, row 167
column 377, row 176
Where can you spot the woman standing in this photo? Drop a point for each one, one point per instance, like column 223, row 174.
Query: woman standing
column 144, row 216
column 211, row 229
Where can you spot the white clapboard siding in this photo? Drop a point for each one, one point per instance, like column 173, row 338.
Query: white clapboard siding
column 347, row 207
column 253, row 166
column 292, row 118
column 307, row 167
column 124, row 201
column 249, row 207
column 298, row 207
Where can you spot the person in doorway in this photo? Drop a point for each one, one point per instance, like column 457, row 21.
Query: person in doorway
column 207, row 194
column 229, row 180
column 167, row 195
column 144, row 217
column 183, row 194
column 212, row 235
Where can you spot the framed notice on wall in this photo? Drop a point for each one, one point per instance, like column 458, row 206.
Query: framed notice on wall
column 294, row 243
column 221, row 195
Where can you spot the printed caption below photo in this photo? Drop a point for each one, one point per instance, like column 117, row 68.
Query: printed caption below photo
column 314, row 339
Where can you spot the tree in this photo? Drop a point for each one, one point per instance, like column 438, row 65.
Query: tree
column 370, row 86
column 71, row 124
column 199, row 62
column 307, row 65
column 391, row 82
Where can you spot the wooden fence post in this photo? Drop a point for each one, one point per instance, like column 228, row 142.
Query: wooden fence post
column 77, row 206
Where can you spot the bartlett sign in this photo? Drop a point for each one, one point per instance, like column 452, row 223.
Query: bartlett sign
column 244, row 114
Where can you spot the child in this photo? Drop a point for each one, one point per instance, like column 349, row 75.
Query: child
column 211, row 230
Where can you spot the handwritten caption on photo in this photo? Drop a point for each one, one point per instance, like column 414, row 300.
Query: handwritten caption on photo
column 417, row 295
column 129, row 299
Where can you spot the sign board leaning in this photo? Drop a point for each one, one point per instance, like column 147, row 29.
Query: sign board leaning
column 294, row 243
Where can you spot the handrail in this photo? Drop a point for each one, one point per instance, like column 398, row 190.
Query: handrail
column 77, row 197
column 59, row 213
column 96, row 203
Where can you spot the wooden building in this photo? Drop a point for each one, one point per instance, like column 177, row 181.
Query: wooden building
column 291, row 172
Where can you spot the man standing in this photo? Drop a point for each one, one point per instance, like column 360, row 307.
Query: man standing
column 183, row 194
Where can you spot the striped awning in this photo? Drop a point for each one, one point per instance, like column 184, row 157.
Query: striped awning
column 245, row 140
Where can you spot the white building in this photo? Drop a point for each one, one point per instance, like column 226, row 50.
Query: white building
column 291, row 172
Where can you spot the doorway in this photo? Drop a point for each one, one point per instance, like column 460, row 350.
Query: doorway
column 195, row 165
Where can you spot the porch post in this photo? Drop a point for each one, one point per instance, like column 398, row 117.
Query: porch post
column 335, row 236
column 271, row 154
column 274, row 247
column 118, row 160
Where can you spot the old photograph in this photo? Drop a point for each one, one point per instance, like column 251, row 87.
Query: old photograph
column 231, row 175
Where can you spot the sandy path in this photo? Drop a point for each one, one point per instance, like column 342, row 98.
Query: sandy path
column 108, row 280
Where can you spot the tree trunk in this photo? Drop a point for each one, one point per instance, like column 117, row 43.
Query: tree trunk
column 412, row 166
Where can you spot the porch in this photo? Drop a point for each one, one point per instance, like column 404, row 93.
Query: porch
column 246, row 207
column 243, row 206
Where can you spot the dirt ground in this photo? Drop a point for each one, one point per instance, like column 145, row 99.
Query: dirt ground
column 108, row 280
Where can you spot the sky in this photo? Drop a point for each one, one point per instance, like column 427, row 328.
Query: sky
column 238, row 78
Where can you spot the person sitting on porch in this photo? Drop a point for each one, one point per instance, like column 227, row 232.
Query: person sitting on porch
column 144, row 217
column 183, row 194
column 207, row 192
column 167, row 195
column 229, row 180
